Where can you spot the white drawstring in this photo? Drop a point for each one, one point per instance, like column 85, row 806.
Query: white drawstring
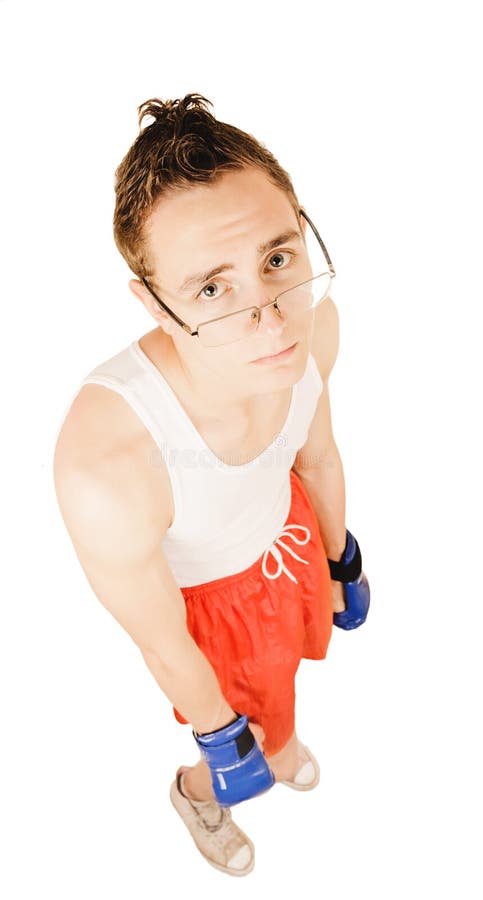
column 278, row 556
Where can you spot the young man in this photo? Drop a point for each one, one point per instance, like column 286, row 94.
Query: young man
column 196, row 457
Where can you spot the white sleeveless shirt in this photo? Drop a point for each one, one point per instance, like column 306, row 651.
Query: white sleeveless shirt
column 225, row 516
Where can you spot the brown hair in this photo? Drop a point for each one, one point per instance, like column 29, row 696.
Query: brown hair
column 184, row 145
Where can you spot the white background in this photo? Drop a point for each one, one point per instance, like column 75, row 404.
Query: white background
column 375, row 110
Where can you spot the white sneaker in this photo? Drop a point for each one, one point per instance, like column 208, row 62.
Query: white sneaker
column 308, row 775
column 218, row 838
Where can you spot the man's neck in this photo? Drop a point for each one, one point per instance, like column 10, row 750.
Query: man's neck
column 205, row 389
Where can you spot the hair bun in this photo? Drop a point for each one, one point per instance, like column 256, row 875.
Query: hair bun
column 176, row 113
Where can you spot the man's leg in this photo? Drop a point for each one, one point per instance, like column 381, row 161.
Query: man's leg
column 284, row 765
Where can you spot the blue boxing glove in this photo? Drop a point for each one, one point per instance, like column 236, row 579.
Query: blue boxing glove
column 356, row 586
column 237, row 765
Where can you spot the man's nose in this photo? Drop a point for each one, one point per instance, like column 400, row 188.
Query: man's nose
column 271, row 320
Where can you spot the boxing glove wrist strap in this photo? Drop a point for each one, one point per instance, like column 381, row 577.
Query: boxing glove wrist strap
column 349, row 567
column 235, row 719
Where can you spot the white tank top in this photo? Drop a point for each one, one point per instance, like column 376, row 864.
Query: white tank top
column 225, row 516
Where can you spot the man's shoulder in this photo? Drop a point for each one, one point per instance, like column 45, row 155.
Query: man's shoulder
column 103, row 436
column 325, row 337
column 98, row 423
column 102, row 442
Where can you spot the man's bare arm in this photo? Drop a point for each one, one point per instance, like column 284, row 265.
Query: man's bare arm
column 116, row 524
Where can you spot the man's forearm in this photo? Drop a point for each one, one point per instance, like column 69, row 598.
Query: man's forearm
column 325, row 486
column 190, row 683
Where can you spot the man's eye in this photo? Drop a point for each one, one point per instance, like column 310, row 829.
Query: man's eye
column 213, row 291
column 279, row 255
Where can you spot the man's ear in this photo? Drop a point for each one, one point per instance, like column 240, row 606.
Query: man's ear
column 138, row 289
column 303, row 222
column 146, row 298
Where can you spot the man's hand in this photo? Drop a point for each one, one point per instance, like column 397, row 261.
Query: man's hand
column 338, row 604
column 351, row 600
column 258, row 733
column 238, row 766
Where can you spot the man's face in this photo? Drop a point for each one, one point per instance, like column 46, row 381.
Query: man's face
column 203, row 228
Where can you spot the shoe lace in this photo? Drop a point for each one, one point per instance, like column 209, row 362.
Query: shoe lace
column 220, row 825
column 225, row 834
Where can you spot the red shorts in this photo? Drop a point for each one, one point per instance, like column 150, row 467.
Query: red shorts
column 254, row 630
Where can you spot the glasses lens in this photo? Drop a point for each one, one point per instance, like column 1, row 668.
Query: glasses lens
column 294, row 302
column 304, row 297
column 228, row 329
column 312, row 284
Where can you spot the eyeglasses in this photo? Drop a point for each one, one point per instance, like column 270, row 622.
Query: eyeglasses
column 295, row 300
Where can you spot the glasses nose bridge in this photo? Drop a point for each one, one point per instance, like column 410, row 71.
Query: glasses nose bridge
column 271, row 304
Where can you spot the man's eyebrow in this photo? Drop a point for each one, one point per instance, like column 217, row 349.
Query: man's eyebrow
column 200, row 277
